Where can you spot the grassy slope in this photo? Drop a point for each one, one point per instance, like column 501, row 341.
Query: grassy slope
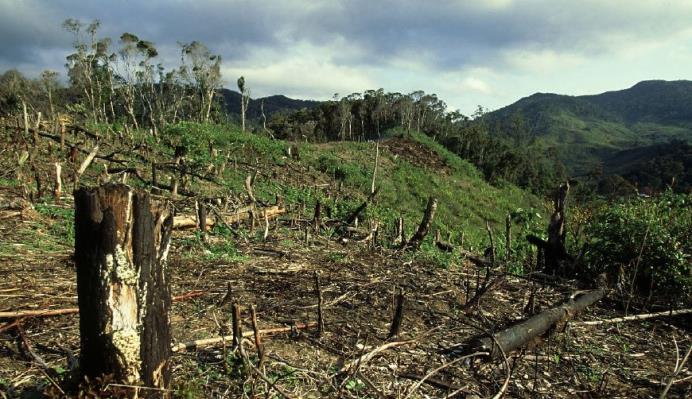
column 466, row 201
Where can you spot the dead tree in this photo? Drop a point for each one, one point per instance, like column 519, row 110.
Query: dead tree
column 554, row 250
column 508, row 238
column 354, row 215
column 490, row 252
column 317, row 218
column 424, row 227
column 57, row 188
column 121, row 244
column 395, row 327
column 202, row 219
column 399, row 238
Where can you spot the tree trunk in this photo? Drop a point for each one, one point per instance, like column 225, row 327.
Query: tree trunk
column 533, row 328
column 417, row 239
column 57, row 188
column 121, row 244
column 557, row 231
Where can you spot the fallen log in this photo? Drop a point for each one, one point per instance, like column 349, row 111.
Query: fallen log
column 215, row 340
column 527, row 331
column 190, row 222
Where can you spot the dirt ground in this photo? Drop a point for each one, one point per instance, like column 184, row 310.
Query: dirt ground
column 359, row 283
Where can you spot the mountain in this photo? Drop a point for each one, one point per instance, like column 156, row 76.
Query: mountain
column 272, row 104
column 586, row 131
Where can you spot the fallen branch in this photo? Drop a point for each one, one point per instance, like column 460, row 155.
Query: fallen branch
column 213, row 341
column 368, row 356
column 635, row 317
column 434, row 382
column 37, row 313
column 190, row 222
column 435, row 370
column 87, row 161
column 528, row 330
column 22, row 314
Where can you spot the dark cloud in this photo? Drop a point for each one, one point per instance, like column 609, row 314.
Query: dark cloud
column 351, row 37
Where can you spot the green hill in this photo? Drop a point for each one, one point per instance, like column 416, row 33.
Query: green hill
column 588, row 130
column 219, row 157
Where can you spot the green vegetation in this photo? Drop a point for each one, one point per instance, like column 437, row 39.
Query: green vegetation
column 645, row 241
column 588, row 131
column 466, row 200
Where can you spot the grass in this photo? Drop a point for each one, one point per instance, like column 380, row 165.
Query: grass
column 466, row 201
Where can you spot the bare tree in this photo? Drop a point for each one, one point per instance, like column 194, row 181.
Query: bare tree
column 244, row 100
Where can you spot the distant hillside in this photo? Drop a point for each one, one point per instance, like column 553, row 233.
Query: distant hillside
column 588, row 130
column 272, row 104
column 655, row 167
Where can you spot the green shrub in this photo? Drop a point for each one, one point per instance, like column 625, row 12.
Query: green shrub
column 659, row 228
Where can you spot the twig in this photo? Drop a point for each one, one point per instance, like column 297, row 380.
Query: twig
column 678, row 368
column 445, row 365
column 502, row 390
column 18, row 314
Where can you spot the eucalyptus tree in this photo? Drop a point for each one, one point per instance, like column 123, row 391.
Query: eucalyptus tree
column 83, row 64
column 127, row 73
column 49, row 83
column 202, row 70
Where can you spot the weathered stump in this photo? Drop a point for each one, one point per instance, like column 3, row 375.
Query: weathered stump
column 121, row 243
column 415, row 242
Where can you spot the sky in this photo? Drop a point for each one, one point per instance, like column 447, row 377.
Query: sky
column 470, row 53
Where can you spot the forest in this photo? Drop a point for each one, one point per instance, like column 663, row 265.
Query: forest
column 164, row 236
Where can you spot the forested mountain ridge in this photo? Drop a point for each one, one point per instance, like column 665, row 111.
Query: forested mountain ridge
column 272, row 104
column 587, row 131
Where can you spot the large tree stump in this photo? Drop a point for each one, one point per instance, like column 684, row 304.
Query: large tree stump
column 121, row 243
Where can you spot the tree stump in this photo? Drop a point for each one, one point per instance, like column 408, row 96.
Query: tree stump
column 415, row 242
column 121, row 244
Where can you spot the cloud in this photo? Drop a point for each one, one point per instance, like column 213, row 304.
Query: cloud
column 309, row 47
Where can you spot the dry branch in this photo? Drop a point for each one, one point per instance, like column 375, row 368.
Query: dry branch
column 361, row 208
column 473, row 303
column 213, row 341
column 87, row 161
column 368, row 356
column 183, row 222
column 37, row 313
column 636, row 317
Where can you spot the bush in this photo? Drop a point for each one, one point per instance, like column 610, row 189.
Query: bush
column 659, row 228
